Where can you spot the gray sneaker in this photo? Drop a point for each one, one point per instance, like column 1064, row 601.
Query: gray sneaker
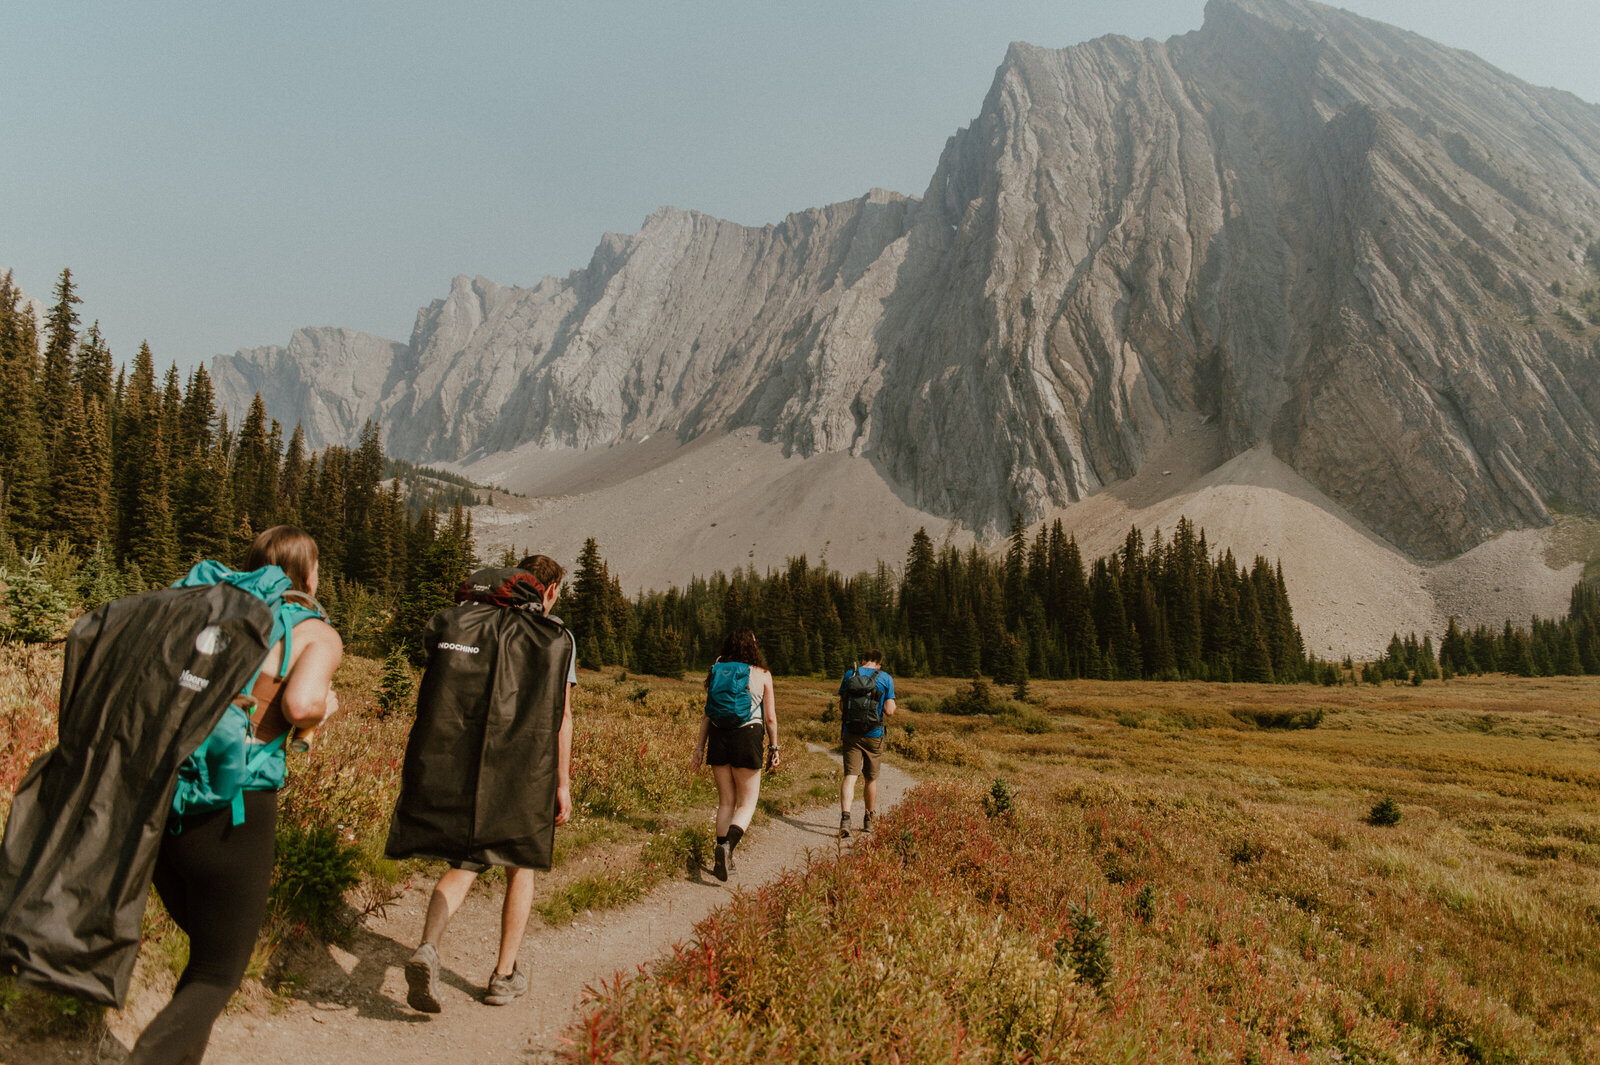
column 422, row 980
column 503, row 989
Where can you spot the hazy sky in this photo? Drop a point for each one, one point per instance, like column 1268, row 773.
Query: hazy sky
column 217, row 174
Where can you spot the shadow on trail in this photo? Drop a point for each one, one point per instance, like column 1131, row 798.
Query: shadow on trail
column 809, row 827
column 328, row 985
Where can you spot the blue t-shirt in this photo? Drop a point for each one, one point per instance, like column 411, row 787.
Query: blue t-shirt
column 885, row 685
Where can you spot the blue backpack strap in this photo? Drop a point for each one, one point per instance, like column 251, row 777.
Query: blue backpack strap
column 253, row 764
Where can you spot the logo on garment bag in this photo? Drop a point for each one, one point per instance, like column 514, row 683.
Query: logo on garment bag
column 193, row 683
column 210, row 641
column 458, row 647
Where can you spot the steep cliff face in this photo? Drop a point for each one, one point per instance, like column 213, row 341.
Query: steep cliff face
column 1317, row 232
column 689, row 325
column 328, row 380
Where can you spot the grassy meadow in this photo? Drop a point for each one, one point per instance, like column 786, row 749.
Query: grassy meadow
column 1143, row 872
column 1101, row 872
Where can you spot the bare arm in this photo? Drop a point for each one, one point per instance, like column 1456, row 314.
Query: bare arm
column 700, row 744
column 888, row 708
column 308, row 697
column 769, row 715
column 564, row 762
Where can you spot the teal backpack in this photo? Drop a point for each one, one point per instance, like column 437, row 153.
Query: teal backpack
column 728, row 702
column 229, row 762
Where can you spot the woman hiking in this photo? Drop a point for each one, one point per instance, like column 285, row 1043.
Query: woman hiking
column 739, row 712
column 212, row 874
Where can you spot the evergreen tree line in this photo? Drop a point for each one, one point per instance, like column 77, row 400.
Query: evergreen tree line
column 127, row 479
column 1569, row 646
column 1156, row 610
column 140, row 475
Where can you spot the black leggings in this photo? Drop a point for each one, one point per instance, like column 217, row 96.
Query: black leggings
column 213, row 878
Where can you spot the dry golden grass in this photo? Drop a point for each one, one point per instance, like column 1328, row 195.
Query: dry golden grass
column 1492, row 875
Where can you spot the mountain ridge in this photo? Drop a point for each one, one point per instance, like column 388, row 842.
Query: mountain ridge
column 1330, row 237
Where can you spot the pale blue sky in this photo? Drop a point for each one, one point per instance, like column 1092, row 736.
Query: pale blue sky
column 217, row 174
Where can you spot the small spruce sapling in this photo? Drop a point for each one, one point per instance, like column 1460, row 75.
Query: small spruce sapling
column 32, row 610
column 1384, row 812
column 396, row 684
column 1001, row 800
column 1088, row 948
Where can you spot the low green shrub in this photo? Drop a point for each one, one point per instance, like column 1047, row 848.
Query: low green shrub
column 977, row 698
column 686, row 849
column 314, row 870
column 1282, row 719
column 1023, row 718
column 936, row 747
column 37, row 1013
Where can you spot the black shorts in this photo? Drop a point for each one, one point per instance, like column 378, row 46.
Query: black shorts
column 740, row 747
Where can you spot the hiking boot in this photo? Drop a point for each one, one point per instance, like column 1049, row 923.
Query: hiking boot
column 503, row 989
column 730, row 860
column 844, row 826
column 866, row 822
column 719, row 862
column 422, row 980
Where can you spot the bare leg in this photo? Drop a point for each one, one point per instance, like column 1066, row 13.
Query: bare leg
column 847, row 794
column 725, row 797
column 514, row 917
column 872, row 796
column 448, row 894
column 747, row 790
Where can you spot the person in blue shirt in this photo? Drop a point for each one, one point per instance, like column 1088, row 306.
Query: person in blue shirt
column 862, row 708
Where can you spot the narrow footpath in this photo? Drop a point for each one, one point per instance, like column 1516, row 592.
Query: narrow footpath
column 353, row 1009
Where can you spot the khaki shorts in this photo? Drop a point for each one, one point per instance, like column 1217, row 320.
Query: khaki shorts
column 862, row 755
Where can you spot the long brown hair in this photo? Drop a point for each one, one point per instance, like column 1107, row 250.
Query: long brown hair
column 288, row 547
column 740, row 646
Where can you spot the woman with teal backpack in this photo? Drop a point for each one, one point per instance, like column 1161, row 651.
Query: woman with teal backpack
column 215, row 865
column 739, row 712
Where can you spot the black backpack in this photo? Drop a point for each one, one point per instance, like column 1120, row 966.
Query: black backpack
column 861, row 702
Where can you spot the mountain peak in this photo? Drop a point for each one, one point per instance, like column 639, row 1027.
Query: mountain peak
column 1323, row 237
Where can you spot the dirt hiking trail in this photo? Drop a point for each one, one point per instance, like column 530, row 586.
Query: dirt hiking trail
column 352, row 1005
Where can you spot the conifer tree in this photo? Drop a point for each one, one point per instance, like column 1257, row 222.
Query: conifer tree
column 91, row 370
column 138, row 457
column 197, row 418
column 292, row 482
column 204, row 514
column 82, row 484
column 23, row 472
column 587, row 615
column 1016, row 571
column 255, row 474
column 55, row 394
column 917, row 594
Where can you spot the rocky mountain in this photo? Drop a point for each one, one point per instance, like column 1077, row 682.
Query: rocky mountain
column 1318, row 235
column 329, row 380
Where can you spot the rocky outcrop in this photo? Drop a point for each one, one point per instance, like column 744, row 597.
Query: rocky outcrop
column 328, row 380
column 1319, row 233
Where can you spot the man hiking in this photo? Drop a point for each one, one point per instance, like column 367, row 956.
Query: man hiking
column 866, row 697
column 487, row 773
